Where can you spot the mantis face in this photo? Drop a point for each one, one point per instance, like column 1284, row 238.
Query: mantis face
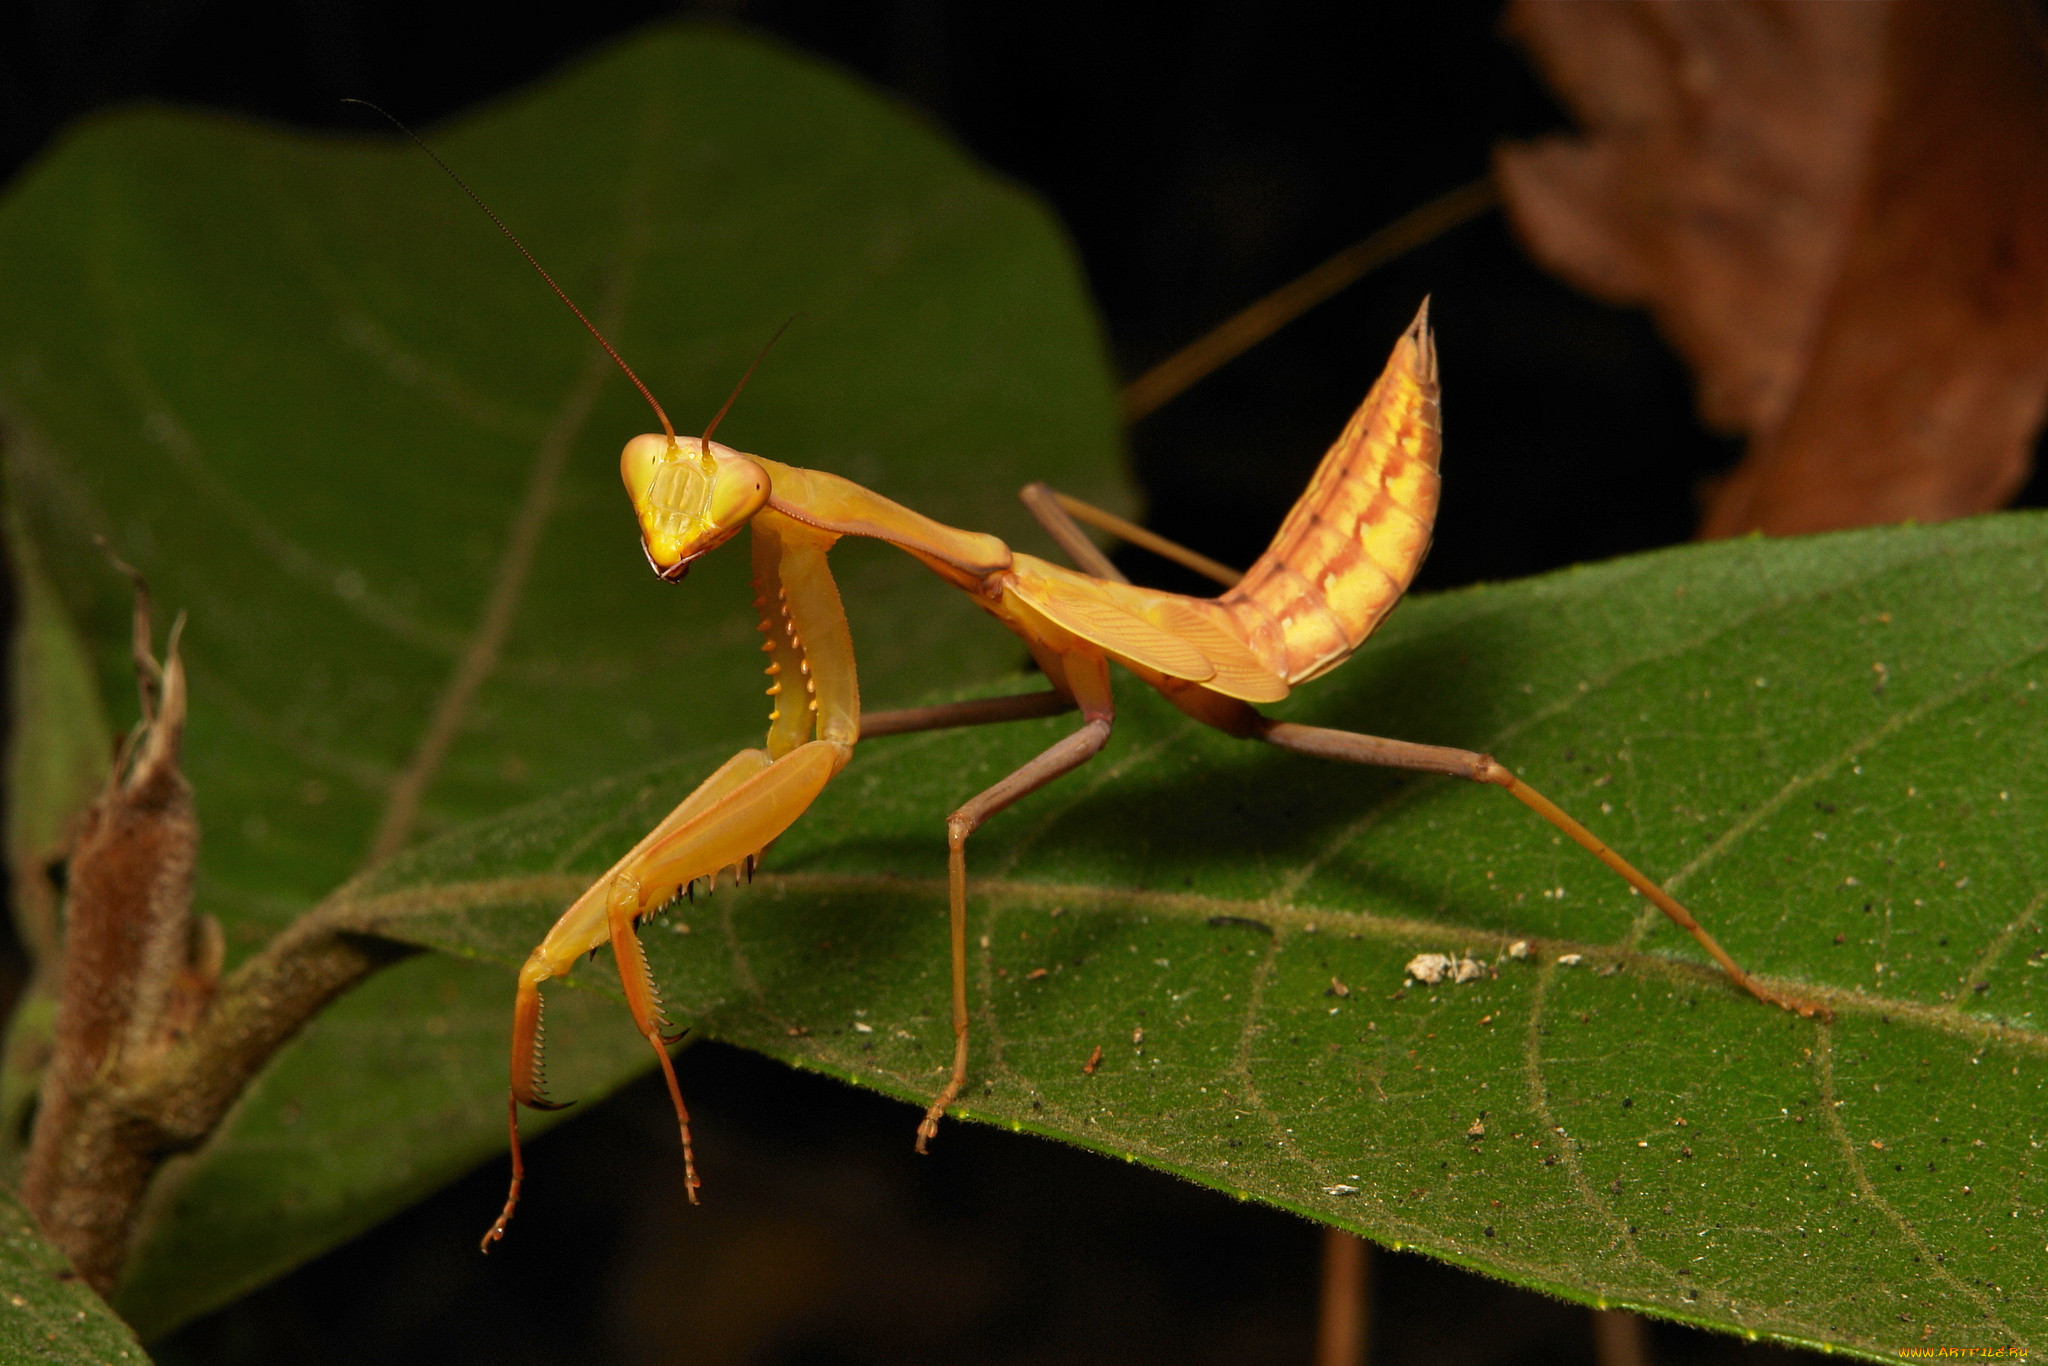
column 690, row 495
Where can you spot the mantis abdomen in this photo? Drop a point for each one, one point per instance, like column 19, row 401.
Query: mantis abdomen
column 1353, row 541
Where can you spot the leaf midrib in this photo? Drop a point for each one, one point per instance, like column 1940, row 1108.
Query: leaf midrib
column 388, row 912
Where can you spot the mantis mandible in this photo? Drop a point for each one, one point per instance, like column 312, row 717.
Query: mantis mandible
column 1340, row 562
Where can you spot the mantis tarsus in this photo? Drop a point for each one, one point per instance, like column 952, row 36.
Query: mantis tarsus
column 1339, row 564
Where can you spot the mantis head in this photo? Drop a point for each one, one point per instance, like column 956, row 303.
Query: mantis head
column 691, row 495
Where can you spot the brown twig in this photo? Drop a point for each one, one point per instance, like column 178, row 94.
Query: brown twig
column 1620, row 1338
column 1346, row 1305
column 151, row 1047
column 96, row 1165
column 1259, row 320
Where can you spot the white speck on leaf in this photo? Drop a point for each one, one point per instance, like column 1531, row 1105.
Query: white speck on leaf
column 1429, row 967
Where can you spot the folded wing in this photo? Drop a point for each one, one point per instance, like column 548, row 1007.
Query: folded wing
column 1185, row 638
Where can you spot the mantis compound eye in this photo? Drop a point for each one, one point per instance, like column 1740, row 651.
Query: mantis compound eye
column 739, row 489
column 637, row 464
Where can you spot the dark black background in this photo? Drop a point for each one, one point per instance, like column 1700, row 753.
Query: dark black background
column 1200, row 154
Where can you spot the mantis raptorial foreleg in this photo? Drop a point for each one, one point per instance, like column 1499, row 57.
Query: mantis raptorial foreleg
column 724, row 823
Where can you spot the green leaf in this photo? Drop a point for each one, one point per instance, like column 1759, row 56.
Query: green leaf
column 310, row 391
column 1833, row 748
column 50, row 1315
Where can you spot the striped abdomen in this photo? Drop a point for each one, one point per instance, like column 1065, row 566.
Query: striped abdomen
column 1350, row 546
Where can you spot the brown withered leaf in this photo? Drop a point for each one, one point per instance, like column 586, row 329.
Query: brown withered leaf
column 1835, row 213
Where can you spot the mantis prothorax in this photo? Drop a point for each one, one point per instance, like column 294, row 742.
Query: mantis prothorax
column 1340, row 562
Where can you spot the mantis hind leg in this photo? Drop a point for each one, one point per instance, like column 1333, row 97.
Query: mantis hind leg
column 1087, row 676
column 1057, row 513
column 1351, row 747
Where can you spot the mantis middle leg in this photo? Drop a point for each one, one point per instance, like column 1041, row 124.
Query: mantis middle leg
column 1083, row 674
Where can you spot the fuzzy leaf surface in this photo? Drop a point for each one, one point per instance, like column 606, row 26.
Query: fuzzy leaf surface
column 50, row 1315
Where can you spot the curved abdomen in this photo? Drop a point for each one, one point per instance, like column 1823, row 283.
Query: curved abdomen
column 1352, row 544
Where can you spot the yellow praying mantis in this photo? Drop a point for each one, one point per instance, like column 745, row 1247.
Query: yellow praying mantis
column 1340, row 562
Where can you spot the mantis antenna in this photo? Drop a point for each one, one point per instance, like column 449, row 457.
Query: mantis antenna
column 560, row 293
column 759, row 356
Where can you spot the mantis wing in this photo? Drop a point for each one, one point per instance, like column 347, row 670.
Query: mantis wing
column 1209, row 628
column 1180, row 637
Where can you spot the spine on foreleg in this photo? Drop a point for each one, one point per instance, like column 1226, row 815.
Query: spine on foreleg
column 1354, row 540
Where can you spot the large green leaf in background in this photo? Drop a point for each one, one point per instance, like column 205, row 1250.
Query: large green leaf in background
column 310, row 391
column 1832, row 747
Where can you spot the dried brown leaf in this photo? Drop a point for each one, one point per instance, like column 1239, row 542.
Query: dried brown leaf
column 1835, row 213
